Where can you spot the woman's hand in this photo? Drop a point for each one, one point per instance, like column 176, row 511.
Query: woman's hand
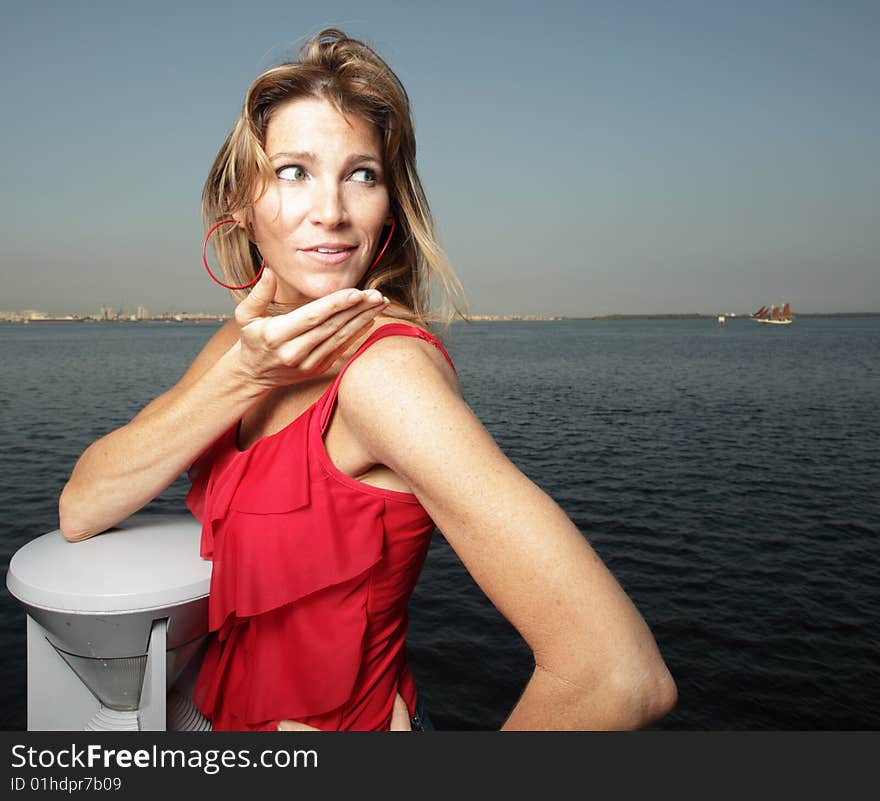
column 281, row 350
column 399, row 719
column 121, row 472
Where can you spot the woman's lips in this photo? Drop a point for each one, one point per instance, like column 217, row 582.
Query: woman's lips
column 330, row 255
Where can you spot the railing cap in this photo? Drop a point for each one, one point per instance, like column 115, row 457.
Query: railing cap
column 147, row 561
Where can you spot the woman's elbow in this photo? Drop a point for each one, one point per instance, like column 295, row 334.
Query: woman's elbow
column 72, row 521
column 626, row 691
column 71, row 529
column 643, row 697
column 658, row 697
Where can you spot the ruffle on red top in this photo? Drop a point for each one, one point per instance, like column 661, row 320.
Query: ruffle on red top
column 293, row 662
column 258, row 528
column 293, row 547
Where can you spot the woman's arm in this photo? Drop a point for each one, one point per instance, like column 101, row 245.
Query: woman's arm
column 597, row 665
column 127, row 468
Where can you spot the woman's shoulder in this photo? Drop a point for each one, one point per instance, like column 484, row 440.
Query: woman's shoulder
column 221, row 341
column 228, row 333
column 392, row 364
column 398, row 338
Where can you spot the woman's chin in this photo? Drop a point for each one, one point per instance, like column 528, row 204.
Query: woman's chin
column 321, row 286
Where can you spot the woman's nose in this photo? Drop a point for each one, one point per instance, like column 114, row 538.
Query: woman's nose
column 327, row 205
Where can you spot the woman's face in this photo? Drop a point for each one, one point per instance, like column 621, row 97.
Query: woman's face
column 320, row 222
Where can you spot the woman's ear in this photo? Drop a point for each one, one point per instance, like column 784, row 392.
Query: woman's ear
column 243, row 218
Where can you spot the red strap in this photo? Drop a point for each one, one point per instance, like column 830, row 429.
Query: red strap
column 390, row 329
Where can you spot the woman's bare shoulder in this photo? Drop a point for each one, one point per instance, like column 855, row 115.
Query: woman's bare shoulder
column 413, row 354
column 222, row 340
column 226, row 335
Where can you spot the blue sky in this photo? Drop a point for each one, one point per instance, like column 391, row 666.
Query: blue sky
column 580, row 158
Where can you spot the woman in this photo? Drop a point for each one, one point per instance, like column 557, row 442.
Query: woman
column 325, row 439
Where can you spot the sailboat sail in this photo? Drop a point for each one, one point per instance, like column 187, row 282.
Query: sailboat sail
column 777, row 315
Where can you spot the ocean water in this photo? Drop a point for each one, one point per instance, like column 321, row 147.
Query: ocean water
column 728, row 476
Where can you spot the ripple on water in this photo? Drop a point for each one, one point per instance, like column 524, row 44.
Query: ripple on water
column 728, row 479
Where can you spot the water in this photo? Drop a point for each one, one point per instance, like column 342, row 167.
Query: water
column 728, row 476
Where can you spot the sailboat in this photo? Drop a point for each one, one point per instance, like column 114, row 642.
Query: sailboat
column 774, row 315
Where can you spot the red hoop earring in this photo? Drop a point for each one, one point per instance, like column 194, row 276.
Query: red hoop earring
column 384, row 247
column 205, row 259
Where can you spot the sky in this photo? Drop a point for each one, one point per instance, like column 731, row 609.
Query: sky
column 580, row 158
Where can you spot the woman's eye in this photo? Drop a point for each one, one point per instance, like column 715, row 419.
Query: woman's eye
column 364, row 175
column 292, row 173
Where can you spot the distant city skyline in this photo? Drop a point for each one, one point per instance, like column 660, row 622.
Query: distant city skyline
column 142, row 314
column 581, row 159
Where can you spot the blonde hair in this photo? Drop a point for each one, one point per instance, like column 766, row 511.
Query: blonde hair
column 351, row 76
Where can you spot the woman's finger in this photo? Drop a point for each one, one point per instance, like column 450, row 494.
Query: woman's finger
column 327, row 351
column 336, row 329
column 300, row 321
column 255, row 304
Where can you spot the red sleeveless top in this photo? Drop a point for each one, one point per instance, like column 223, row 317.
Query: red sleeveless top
column 312, row 573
